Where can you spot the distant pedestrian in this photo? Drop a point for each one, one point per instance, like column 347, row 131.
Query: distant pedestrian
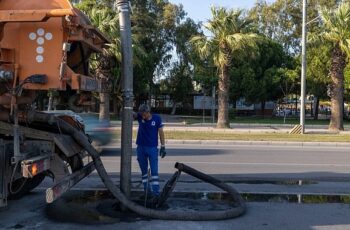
column 150, row 126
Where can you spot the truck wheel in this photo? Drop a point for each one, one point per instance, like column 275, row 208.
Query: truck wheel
column 19, row 189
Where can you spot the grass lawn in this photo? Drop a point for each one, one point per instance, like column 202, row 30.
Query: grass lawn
column 196, row 135
column 279, row 120
column 191, row 135
column 269, row 120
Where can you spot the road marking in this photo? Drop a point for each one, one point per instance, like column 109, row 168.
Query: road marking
column 238, row 147
column 270, row 164
column 242, row 163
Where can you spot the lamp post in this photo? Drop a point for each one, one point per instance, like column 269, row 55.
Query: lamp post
column 303, row 69
column 213, row 104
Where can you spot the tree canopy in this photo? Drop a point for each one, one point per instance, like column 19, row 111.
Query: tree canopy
column 252, row 53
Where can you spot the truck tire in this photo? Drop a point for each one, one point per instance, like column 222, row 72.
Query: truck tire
column 29, row 185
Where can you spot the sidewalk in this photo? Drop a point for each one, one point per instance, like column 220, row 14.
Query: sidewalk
column 116, row 143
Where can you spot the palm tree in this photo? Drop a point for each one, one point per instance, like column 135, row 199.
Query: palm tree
column 230, row 37
column 106, row 21
column 336, row 27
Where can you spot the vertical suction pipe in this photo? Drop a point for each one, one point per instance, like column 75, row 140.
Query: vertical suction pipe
column 127, row 93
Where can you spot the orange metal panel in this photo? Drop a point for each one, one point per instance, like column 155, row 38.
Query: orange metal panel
column 10, row 16
column 32, row 33
column 32, row 15
column 34, row 4
column 11, row 38
column 41, row 52
column 7, row 56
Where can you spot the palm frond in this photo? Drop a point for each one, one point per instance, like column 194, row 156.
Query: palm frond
column 336, row 23
column 230, row 33
column 202, row 45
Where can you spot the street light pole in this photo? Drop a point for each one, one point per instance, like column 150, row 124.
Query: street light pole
column 128, row 96
column 303, row 69
column 213, row 96
column 213, row 105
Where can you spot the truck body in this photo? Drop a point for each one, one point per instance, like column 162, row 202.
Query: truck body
column 44, row 45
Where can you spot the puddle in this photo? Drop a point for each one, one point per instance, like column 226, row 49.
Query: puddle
column 273, row 182
column 297, row 198
column 277, row 182
column 100, row 207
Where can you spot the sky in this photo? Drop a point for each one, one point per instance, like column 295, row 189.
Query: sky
column 199, row 10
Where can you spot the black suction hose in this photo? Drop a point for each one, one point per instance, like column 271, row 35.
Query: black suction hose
column 81, row 139
column 211, row 180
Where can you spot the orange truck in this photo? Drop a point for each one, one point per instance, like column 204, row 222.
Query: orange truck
column 44, row 45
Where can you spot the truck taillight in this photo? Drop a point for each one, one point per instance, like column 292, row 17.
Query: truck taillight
column 33, row 167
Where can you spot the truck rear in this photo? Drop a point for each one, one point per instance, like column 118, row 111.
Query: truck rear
column 44, row 46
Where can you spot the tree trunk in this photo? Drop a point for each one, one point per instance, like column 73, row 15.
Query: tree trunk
column 337, row 89
column 296, row 105
column 316, row 108
column 115, row 105
column 311, row 109
column 49, row 107
column 263, row 108
column 104, row 107
column 173, row 110
column 224, row 82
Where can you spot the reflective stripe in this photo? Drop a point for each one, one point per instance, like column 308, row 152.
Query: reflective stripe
column 144, row 180
column 143, row 176
column 155, row 177
column 155, row 183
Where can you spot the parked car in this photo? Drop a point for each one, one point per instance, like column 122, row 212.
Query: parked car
column 283, row 112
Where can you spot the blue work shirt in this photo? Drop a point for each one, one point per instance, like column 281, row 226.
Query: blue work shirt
column 147, row 134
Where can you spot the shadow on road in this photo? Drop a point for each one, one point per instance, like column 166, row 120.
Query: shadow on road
column 174, row 152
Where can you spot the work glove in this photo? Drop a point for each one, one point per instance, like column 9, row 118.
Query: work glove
column 162, row 151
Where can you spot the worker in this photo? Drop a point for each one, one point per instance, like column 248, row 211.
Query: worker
column 150, row 126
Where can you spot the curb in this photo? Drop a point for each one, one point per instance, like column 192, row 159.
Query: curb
column 252, row 143
column 263, row 143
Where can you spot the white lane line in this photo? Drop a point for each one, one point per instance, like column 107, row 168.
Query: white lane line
column 242, row 163
column 246, row 147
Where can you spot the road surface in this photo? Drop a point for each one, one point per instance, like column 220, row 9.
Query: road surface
column 255, row 161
